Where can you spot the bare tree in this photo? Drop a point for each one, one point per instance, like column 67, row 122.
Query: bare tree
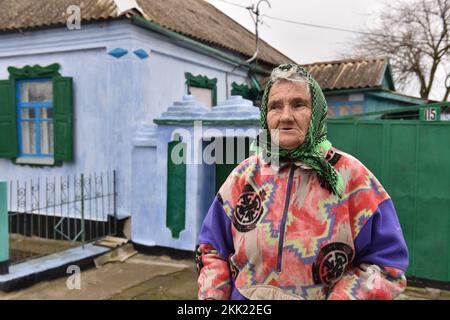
column 414, row 35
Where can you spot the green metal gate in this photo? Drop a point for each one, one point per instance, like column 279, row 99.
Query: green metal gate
column 411, row 158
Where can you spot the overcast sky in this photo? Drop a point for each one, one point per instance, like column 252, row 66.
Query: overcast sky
column 301, row 43
column 306, row 44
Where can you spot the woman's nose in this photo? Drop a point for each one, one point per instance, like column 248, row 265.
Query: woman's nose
column 286, row 114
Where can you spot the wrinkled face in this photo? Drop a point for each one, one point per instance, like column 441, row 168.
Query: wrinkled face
column 289, row 111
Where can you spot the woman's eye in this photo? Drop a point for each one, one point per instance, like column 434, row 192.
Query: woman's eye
column 275, row 107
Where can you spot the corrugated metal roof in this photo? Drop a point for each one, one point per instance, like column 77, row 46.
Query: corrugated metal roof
column 196, row 19
column 349, row 74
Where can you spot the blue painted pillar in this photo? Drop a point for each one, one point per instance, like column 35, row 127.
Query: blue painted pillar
column 4, row 233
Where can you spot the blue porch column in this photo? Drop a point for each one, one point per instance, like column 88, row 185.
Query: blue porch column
column 4, row 234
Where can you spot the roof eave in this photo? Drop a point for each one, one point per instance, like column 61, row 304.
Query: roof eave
column 351, row 90
column 196, row 45
column 392, row 95
column 149, row 25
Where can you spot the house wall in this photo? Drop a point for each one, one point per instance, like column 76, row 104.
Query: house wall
column 351, row 103
column 112, row 96
column 364, row 101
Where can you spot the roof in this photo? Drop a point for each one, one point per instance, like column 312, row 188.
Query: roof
column 196, row 19
column 25, row 14
column 352, row 74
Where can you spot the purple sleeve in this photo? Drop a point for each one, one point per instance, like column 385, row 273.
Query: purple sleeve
column 381, row 241
column 216, row 230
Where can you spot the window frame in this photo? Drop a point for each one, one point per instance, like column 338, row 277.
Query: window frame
column 202, row 82
column 37, row 106
column 337, row 105
column 62, row 116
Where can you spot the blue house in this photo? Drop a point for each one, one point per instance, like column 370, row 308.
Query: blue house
column 81, row 82
column 359, row 86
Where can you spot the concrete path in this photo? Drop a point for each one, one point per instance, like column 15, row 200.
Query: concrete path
column 140, row 277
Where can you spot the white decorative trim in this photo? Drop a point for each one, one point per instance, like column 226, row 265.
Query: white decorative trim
column 187, row 108
column 146, row 136
column 36, row 161
column 235, row 108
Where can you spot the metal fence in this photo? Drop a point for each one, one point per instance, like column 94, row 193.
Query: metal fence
column 53, row 214
column 411, row 160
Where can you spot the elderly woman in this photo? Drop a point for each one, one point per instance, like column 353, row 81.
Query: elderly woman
column 318, row 225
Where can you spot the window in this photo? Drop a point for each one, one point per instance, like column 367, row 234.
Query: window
column 36, row 116
column 331, row 111
column 357, row 108
column 344, row 110
column 203, row 95
column 203, row 88
column 345, row 105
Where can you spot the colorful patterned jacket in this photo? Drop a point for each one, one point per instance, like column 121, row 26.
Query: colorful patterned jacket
column 277, row 233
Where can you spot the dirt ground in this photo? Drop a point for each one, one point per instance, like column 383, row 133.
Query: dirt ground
column 23, row 248
column 146, row 277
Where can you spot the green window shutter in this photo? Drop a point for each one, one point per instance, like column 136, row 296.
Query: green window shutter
column 8, row 122
column 62, row 113
column 176, row 189
column 240, row 90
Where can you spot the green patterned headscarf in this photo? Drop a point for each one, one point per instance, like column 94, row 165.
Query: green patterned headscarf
column 311, row 151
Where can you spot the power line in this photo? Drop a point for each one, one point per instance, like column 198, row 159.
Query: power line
column 312, row 25
column 298, row 22
column 318, row 25
column 423, row 41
